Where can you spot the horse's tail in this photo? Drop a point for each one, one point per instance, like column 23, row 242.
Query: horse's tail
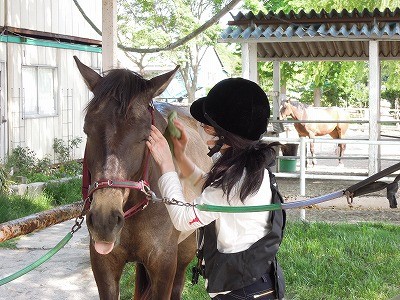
column 142, row 283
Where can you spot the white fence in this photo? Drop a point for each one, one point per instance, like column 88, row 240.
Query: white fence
column 303, row 173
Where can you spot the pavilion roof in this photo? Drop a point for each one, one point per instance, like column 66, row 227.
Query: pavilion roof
column 325, row 35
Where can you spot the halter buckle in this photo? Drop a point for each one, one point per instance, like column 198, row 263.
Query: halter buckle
column 145, row 189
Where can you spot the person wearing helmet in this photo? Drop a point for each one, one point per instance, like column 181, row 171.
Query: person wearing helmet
column 238, row 250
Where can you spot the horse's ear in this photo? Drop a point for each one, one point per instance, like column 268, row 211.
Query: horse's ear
column 160, row 82
column 90, row 76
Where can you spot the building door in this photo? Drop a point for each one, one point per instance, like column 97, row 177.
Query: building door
column 3, row 114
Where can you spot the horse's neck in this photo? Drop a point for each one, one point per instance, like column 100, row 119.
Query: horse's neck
column 298, row 112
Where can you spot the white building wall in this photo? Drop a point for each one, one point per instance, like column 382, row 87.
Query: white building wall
column 61, row 17
column 72, row 95
column 2, row 12
column 38, row 133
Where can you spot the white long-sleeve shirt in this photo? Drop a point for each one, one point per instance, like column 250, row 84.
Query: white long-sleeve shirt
column 235, row 231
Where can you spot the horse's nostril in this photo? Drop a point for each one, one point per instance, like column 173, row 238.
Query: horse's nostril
column 117, row 219
column 120, row 220
column 89, row 219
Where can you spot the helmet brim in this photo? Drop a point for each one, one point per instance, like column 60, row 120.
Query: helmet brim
column 197, row 110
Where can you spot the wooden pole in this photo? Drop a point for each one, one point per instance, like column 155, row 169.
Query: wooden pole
column 22, row 226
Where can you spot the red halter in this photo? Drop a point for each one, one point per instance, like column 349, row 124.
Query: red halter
column 143, row 185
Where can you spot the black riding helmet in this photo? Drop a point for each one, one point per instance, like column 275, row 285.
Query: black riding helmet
column 234, row 105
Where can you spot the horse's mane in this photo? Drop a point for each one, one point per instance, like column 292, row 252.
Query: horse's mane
column 298, row 104
column 120, row 85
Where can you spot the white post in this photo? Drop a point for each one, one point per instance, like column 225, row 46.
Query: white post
column 374, row 106
column 276, row 89
column 109, row 39
column 303, row 158
column 249, row 61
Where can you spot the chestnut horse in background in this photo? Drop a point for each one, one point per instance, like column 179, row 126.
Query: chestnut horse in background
column 117, row 124
column 299, row 111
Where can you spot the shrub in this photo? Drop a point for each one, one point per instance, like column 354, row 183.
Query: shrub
column 64, row 154
column 23, row 162
column 4, row 181
column 65, row 192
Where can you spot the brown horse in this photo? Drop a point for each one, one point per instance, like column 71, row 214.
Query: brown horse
column 299, row 111
column 117, row 124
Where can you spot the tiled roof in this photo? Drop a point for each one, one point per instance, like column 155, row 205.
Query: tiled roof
column 315, row 36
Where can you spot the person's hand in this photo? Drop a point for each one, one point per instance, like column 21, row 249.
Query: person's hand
column 180, row 144
column 160, row 151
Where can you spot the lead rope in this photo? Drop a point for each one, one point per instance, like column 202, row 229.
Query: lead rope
column 47, row 256
column 365, row 186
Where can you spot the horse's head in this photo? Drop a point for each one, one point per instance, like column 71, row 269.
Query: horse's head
column 117, row 124
column 286, row 109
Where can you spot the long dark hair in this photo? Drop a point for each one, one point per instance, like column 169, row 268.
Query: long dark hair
column 228, row 170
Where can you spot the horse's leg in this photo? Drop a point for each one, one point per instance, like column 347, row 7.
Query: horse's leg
column 313, row 159
column 161, row 269
column 342, row 131
column 312, row 151
column 186, row 253
column 107, row 270
column 342, row 147
column 142, row 283
column 337, row 134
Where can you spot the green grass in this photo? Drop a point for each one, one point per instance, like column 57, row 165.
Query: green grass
column 10, row 244
column 64, row 193
column 342, row 261
column 327, row 262
column 190, row 292
column 55, row 194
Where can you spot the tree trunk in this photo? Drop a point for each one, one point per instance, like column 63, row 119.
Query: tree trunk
column 22, row 226
column 317, row 96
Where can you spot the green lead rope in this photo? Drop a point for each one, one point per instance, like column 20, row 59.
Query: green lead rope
column 238, row 209
column 270, row 207
column 40, row 261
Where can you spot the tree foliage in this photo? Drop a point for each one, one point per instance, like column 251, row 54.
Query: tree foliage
column 343, row 83
column 155, row 24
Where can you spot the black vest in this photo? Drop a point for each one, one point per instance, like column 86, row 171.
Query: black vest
column 231, row 271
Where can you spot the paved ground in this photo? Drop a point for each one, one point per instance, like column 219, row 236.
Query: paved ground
column 67, row 276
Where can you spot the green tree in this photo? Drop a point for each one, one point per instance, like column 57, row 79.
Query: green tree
column 330, row 83
column 154, row 24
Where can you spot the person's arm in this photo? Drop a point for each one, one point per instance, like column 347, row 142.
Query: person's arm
column 183, row 217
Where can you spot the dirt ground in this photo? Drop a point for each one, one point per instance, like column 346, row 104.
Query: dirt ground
column 373, row 207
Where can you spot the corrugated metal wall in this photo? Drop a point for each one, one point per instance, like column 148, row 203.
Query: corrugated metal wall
column 56, row 16
column 71, row 94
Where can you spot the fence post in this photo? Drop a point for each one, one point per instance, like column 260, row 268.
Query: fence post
column 303, row 155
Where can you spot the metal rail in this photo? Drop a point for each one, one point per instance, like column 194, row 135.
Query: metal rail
column 302, row 175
